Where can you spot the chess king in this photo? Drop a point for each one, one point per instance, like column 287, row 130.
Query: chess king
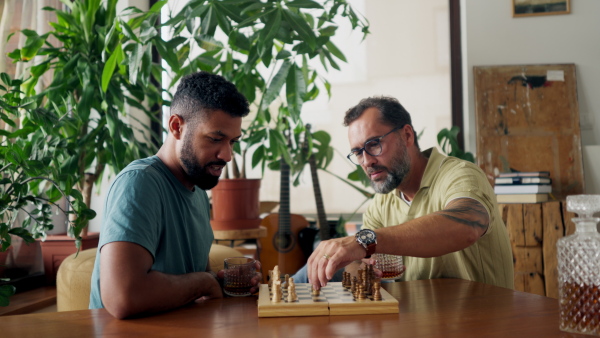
column 438, row 212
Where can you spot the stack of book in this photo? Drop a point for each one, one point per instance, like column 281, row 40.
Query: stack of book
column 523, row 187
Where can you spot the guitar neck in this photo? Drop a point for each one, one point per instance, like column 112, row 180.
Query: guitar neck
column 321, row 217
column 284, row 200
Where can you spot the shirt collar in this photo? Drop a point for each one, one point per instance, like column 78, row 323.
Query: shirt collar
column 435, row 161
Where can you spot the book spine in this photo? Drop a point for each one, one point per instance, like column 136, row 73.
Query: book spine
column 522, row 180
column 526, row 174
column 523, row 189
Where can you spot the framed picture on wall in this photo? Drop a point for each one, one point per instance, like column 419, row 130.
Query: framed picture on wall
column 540, row 7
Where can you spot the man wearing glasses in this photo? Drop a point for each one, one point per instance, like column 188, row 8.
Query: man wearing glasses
column 439, row 212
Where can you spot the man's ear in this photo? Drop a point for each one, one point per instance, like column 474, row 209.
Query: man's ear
column 408, row 133
column 176, row 126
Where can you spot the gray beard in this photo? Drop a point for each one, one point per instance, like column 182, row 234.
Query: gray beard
column 399, row 169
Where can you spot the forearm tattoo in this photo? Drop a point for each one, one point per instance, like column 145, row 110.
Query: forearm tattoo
column 467, row 211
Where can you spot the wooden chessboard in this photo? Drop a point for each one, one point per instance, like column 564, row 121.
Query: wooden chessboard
column 333, row 300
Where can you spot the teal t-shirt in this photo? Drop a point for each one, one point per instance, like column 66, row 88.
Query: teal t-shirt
column 148, row 206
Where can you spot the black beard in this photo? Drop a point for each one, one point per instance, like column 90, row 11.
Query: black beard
column 196, row 172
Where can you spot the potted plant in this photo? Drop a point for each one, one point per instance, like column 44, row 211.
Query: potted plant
column 265, row 49
column 30, row 153
column 100, row 68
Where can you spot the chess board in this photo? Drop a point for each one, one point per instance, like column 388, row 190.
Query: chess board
column 333, row 300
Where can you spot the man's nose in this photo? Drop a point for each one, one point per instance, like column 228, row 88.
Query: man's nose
column 368, row 160
column 226, row 153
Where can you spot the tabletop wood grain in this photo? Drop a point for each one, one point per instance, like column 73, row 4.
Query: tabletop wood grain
column 428, row 308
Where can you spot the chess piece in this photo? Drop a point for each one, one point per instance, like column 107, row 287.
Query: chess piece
column 377, row 291
column 276, row 291
column 291, row 294
column 276, row 273
column 315, row 292
column 361, row 293
column 287, row 279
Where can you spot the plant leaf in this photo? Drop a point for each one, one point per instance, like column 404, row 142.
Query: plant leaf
column 109, row 67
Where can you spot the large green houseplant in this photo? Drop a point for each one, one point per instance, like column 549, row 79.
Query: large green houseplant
column 265, row 48
column 31, row 151
column 101, row 66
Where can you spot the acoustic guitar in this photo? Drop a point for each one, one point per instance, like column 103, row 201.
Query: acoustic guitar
column 280, row 246
column 324, row 231
column 307, row 236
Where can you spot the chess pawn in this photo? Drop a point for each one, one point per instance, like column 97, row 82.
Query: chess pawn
column 377, row 295
column 287, row 279
column 361, row 293
column 315, row 292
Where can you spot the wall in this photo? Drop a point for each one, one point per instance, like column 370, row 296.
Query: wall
column 491, row 36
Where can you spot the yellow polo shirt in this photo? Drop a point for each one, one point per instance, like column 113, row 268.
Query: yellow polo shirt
column 489, row 260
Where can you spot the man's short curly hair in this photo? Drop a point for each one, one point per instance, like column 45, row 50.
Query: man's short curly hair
column 200, row 93
column 392, row 112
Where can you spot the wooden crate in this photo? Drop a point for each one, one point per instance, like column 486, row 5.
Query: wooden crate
column 533, row 230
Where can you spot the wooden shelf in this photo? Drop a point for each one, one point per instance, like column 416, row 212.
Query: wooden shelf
column 30, row 301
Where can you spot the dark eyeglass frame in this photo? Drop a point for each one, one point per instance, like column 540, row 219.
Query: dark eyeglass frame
column 359, row 152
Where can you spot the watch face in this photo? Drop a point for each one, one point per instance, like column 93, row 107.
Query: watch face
column 367, row 236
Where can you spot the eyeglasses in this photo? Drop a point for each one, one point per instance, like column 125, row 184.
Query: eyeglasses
column 371, row 147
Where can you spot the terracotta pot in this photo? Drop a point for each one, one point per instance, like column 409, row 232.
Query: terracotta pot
column 235, row 204
column 58, row 247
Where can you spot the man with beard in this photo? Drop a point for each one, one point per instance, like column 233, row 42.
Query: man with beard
column 438, row 212
column 156, row 234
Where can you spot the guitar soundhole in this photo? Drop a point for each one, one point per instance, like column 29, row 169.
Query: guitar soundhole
column 284, row 242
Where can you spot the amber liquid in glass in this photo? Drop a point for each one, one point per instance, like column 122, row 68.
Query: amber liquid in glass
column 390, row 274
column 580, row 308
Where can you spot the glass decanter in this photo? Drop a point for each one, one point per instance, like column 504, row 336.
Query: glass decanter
column 579, row 269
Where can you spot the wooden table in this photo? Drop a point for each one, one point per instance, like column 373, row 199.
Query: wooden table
column 428, row 308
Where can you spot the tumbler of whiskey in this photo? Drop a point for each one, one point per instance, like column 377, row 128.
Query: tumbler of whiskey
column 391, row 266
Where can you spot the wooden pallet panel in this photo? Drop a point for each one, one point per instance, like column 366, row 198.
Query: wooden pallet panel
column 528, row 259
column 530, row 126
column 530, row 282
column 553, row 230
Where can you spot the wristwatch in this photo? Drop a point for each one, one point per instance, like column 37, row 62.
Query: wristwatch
column 368, row 240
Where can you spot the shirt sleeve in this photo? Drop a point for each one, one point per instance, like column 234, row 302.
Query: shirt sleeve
column 133, row 211
column 465, row 180
column 372, row 218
